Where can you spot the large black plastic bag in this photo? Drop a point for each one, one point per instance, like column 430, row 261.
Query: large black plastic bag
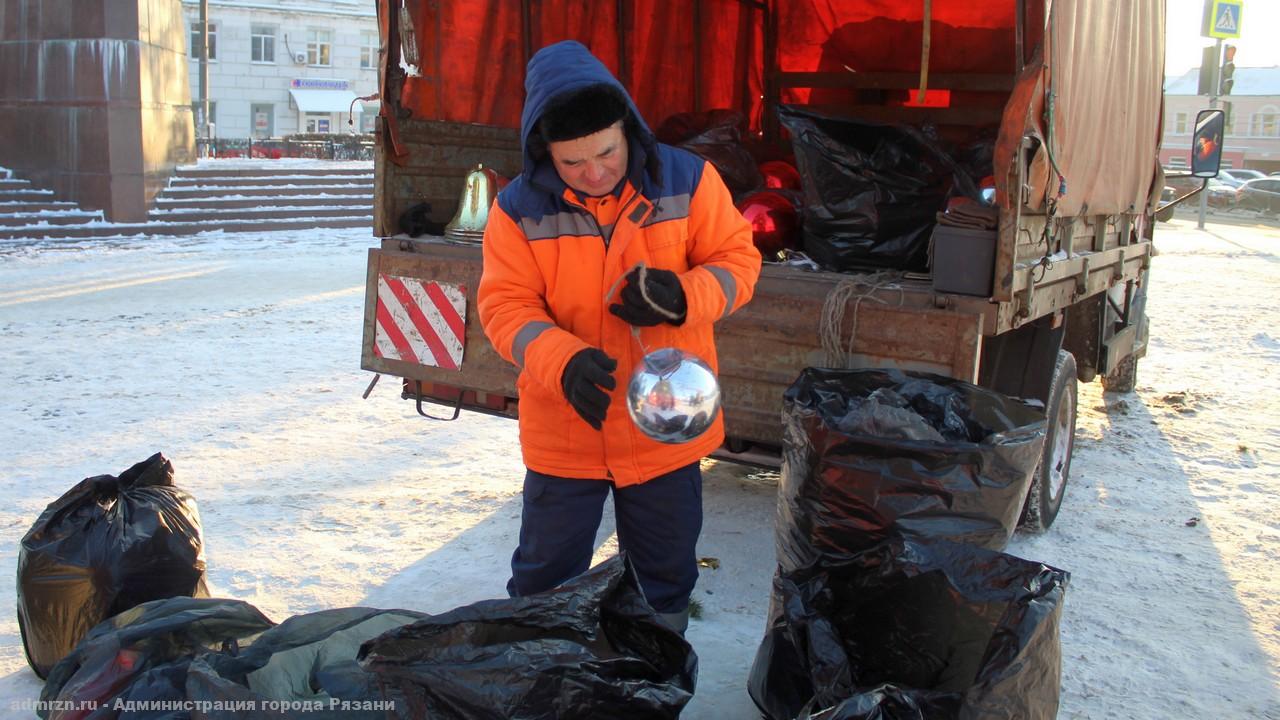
column 108, row 544
column 305, row 666
column 924, row 629
column 592, row 648
column 142, row 655
column 845, row 490
column 715, row 136
column 872, row 191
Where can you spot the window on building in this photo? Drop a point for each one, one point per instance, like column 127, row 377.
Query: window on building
column 319, row 44
column 262, row 39
column 195, row 40
column 318, row 123
column 1177, row 162
column 1180, row 124
column 368, row 50
column 1263, row 123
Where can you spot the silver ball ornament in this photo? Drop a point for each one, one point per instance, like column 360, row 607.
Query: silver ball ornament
column 673, row 396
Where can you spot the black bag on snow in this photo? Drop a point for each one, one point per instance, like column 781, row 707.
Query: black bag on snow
column 142, row 655
column 107, row 545
column 918, row 629
column 872, row 453
column 592, row 648
column 306, row 664
column 872, row 191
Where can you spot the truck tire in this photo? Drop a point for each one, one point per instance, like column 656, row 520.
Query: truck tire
column 1122, row 377
column 1049, row 482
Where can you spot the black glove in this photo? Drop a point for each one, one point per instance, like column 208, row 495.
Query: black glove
column 588, row 371
column 663, row 288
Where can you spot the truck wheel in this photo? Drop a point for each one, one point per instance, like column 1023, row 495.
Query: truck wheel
column 1049, row 482
column 1122, row 377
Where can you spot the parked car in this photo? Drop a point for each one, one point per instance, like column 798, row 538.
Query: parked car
column 1236, row 177
column 1180, row 185
column 1169, row 194
column 1220, row 194
column 1260, row 194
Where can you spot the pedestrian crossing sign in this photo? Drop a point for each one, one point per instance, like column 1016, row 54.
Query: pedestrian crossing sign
column 1222, row 18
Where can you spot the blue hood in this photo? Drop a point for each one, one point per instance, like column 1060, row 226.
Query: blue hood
column 564, row 67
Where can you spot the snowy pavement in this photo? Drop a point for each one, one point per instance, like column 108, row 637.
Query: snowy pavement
column 238, row 357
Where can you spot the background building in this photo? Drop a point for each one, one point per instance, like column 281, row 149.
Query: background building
column 279, row 67
column 1253, row 130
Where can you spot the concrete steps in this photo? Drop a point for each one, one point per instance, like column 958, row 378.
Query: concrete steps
column 274, row 192
column 226, row 196
column 247, row 195
column 114, row 230
column 357, row 202
column 27, row 211
column 57, row 217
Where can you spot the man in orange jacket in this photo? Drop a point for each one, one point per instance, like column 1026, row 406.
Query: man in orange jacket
column 560, row 296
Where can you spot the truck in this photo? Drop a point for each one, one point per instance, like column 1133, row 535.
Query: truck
column 1070, row 93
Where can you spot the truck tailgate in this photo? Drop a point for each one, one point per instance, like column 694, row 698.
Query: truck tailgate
column 762, row 347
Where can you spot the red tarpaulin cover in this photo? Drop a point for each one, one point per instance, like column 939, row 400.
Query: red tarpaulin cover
column 473, row 56
column 472, row 53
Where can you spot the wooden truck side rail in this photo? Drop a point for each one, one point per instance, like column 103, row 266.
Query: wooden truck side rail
column 763, row 347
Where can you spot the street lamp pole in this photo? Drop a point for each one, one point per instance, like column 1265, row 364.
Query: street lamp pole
column 203, row 123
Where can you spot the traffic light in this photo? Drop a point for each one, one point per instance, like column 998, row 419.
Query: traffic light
column 1208, row 65
column 1228, row 69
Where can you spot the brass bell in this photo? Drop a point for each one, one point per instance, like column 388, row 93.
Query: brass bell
column 481, row 187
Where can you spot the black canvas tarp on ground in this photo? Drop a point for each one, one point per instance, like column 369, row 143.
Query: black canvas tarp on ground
column 592, row 648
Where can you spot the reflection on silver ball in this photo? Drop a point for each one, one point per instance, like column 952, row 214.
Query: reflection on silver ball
column 673, row 396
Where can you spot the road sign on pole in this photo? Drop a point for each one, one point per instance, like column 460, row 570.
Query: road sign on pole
column 1222, row 18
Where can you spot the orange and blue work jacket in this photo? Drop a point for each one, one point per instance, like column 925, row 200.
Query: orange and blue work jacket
column 552, row 256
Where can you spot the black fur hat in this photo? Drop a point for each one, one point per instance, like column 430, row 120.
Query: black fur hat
column 582, row 112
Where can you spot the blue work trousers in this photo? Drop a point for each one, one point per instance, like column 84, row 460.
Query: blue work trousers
column 658, row 526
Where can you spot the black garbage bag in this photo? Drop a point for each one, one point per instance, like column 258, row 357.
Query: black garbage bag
column 416, row 221
column 135, row 664
column 872, row 453
column 715, row 136
column 925, row 629
column 592, row 648
column 108, row 544
column 304, row 667
column 872, row 191
column 888, row 702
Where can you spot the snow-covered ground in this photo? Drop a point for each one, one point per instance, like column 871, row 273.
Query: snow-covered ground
column 238, row 357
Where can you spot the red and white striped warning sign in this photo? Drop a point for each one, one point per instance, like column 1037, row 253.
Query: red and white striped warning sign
column 420, row 321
